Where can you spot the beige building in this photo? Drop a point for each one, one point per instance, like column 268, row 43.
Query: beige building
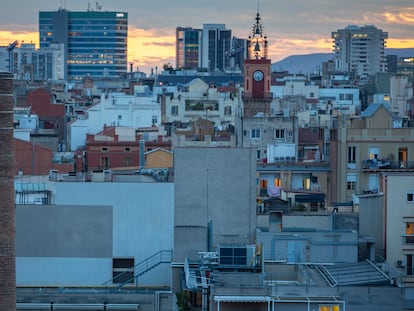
column 197, row 100
column 367, row 147
column 388, row 217
column 398, row 189
column 158, row 158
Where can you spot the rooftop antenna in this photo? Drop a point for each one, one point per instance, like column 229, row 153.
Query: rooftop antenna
column 63, row 4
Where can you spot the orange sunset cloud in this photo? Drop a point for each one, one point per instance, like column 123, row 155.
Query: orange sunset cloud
column 152, row 48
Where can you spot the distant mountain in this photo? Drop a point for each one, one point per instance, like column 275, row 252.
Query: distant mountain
column 311, row 63
column 308, row 63
column 400, row 52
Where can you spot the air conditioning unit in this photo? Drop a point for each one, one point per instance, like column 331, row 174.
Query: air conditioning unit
column 400, row 263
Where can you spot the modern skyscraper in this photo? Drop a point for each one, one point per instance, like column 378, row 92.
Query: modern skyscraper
column 360, row 50
column 95, row 41
column 188, row 48
column 216, row 46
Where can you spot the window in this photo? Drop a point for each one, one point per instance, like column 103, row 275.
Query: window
column 278, row 182
column 255, row 133
column 329, row 308
column 154, row 120
column 351, row 180
column 127, row 149
column 346, row 96
column 410, row 196
column 351, row 154
column 174, row 110
column 123, row 270
column 233, row 256
column 306, row 183
column 350, row 185
column 263, row 187
column 279, row 134
column 227, row 111
column 104, row 149
column 410, row 265
column 409, row 233
column 105, row 162
column 127, row 162
column 258, row 155
column 263, row 183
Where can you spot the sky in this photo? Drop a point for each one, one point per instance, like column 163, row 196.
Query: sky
column 293, row 27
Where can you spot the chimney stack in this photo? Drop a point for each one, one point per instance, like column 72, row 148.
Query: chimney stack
column 7, row 207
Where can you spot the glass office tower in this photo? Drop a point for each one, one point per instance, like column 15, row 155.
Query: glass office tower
column 95, row 41
column 188, row 48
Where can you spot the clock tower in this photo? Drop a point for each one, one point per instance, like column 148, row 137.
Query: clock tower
column 257, row 74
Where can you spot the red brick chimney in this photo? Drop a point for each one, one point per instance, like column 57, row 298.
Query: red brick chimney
column 7, row 209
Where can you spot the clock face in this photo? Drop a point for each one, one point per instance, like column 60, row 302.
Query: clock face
column 258, row 75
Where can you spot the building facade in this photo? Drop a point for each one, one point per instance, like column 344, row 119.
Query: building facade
column 360, row 49
column 188, row 48
column 29, row 63
column 216, row 45
column 366, row 147
column 95, row 41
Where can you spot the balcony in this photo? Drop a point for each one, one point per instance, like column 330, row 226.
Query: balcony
column 387, row 165
column 259, row 95
column 408, row 239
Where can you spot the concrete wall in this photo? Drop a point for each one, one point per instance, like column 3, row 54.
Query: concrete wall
column 213, row 187
column 310, row 221
column 323, row 246
column 65, row 231
column 398, row 213
column 371, row 219
column 92, row 223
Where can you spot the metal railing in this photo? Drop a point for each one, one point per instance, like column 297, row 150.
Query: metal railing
column 147, row 264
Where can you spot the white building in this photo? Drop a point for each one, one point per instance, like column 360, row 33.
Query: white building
column 115, row 109
column 197, row 99
column 79, row 240
column 294, row 85
column 344, row 99
column 360, row 49
column 30, row 63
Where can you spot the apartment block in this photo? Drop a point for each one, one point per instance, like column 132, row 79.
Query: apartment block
column 360, row 49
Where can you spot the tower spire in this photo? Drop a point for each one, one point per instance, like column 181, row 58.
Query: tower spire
column 258, row 41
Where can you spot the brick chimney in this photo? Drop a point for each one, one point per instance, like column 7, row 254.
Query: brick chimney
column 7, row 209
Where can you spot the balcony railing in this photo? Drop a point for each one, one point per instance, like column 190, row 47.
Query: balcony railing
column 408, row 239
column 265, row 95
column 374, row 164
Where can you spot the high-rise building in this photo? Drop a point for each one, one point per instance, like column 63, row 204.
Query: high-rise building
column 29, row 63
column 360, row 50
column 188, row 48
column 216, row 47
column 95, row 41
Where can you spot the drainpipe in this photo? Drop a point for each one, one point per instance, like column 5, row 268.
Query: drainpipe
column 141, row 154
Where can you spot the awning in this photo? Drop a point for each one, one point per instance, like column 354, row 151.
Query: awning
column 242, row 298
column 309, row 198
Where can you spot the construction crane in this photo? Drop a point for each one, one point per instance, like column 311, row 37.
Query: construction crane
column 236, row 49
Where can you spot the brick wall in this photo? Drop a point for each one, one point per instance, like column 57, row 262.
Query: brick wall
column 7, row 209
